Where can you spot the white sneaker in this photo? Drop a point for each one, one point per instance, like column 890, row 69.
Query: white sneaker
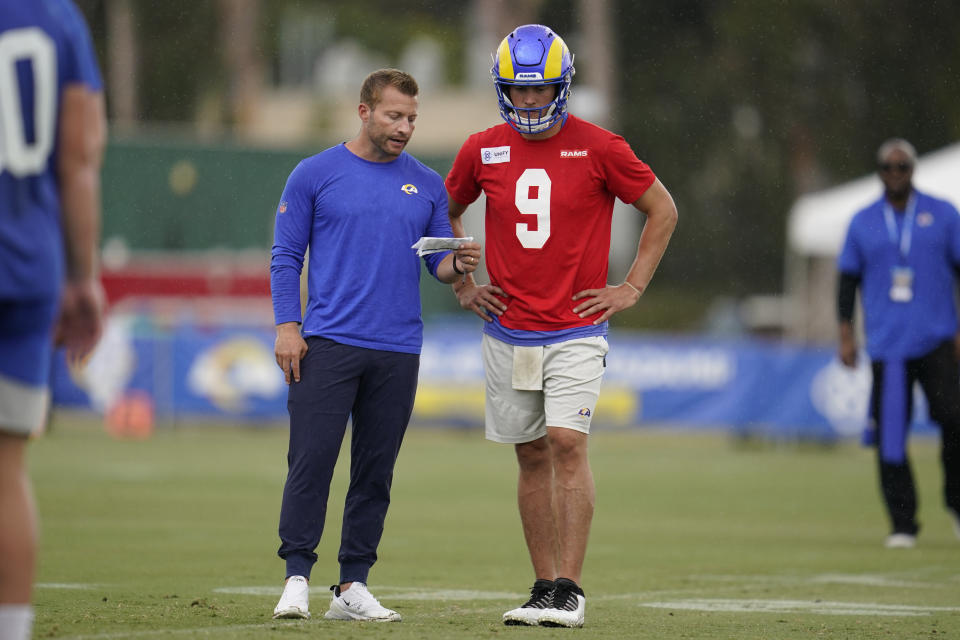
column 357, row 603
column 568, row 606
column 295, row 601
column 541, row 598
column 955, row 519
column 900, row 541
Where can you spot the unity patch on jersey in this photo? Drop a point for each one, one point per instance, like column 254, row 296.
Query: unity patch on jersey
column 495, row 155
column 409, row 189
column 573, row 153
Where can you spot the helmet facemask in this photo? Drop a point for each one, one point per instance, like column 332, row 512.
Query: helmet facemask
column 532, row 120
column 532, row 55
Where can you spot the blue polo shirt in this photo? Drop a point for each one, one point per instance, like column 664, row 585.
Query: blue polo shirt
column 359, row 219
column 872, row 251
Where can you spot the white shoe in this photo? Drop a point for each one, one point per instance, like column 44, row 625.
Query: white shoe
column 357, row 603
column 955, row 519
column 541, row 598
column 568, row 606
column 900, row 541
column 295, row 601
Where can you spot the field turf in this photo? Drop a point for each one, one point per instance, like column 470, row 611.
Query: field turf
column 696, row 536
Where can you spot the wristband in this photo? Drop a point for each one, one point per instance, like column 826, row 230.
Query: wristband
column 455, row 265
column 632, row 287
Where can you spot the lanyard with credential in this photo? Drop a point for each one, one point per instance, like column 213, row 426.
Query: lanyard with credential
column 907, row 236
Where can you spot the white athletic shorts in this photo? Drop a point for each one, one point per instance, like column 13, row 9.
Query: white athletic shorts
column 26, row 351
column 23, row 408
column 529, row 388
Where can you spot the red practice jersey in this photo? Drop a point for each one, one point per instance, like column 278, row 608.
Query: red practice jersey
column 549, row 210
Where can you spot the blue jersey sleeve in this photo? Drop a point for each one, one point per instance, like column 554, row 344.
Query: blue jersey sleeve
column 954, row 236
column 78, row 62
column 290, row 241
column 850, row 260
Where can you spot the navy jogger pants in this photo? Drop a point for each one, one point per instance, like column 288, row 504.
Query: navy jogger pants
column 376, row 390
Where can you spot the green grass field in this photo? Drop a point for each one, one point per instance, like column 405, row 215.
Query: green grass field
column 694, row 536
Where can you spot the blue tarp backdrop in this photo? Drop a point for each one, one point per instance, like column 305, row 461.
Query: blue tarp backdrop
column 750, row 385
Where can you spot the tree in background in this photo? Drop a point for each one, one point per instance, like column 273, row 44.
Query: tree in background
column 743, row 105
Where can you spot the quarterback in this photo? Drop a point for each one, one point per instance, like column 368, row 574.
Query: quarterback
column 550, row 181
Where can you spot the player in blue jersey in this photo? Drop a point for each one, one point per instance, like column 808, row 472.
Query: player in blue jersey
column 358, row 207
column 903, row 252
column 52, row 133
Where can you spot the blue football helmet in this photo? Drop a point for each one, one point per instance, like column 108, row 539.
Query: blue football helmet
column 532, row 55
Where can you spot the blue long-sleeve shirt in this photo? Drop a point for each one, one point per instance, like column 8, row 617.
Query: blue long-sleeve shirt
column 359, row 219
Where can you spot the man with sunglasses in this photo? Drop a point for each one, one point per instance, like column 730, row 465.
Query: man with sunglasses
column 903, row 252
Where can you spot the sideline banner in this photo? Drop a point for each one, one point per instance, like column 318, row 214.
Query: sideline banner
column 749, row 385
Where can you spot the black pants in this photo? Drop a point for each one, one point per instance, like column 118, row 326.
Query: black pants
column 890, row 409
column 376, row 389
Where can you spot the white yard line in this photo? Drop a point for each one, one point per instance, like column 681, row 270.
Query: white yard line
column 81, row 586
column 867, row 579
column 798, row 606
column 194, row 632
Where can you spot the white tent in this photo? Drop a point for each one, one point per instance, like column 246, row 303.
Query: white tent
column 816, row 228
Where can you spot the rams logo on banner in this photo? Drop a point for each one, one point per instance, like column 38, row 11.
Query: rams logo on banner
column 408, row 189
column 231, row 372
